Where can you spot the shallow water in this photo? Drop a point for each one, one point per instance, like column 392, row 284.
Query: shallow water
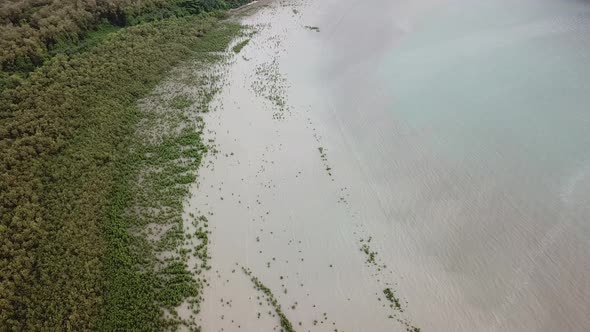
column 458, row 135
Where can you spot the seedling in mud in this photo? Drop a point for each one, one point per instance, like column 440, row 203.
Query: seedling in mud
column 370, row 254
column 180, row 102
column 394, row 301
column 392, row 298
column 324, row 158
column 284, row 322
column 271, row 85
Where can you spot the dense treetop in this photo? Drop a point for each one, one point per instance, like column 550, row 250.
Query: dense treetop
column 31, row 29
column 65, row 125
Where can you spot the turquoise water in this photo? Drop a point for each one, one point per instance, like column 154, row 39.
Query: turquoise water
column 471, row 122
column 490, row 80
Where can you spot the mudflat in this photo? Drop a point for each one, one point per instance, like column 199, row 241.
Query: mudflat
column 388, row 166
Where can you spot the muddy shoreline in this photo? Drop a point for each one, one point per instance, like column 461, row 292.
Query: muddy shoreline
column 345, row 193
column 278, row 204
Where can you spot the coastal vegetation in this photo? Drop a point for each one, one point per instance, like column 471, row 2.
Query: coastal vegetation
column 324, row 157
column 32, row 31
column 285, row 323
column 240, row 45
column 395, row 303
column 271, row 84
column 393, row 300
column 87, row 174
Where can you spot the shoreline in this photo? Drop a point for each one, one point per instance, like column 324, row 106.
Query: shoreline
column 271, row 150
column 293, row 166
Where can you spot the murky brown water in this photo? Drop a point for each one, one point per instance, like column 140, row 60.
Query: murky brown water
column 456, row 137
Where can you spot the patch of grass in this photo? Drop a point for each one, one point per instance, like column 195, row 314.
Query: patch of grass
column 272, row 85
column 92, row 38
column 181, row 102
column 218, row 39
column 240, row 45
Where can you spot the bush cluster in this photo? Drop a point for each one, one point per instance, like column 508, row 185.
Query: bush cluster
column 31, row 31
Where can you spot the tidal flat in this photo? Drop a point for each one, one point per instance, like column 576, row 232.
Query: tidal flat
column 379, row 172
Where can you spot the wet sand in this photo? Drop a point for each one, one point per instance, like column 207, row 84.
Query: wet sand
column 308, row 171
column 276, row 208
